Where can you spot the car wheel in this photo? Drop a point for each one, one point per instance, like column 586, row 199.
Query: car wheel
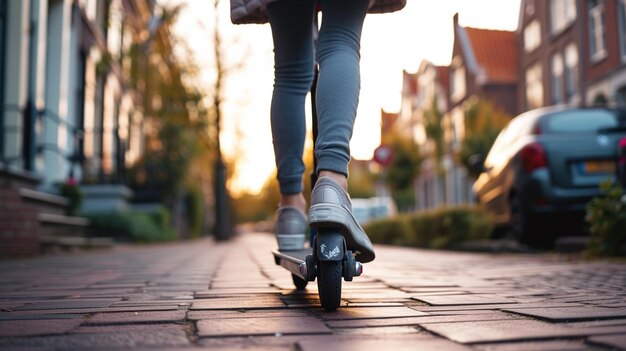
column 522, row 224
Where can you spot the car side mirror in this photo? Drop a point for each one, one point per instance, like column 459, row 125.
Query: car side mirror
column 477, row 163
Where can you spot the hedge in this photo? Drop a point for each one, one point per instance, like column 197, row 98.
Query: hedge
column 133, row 226
column 442, row 228
column 606, row 216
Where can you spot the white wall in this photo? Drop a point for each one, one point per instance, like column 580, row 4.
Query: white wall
column 16, row 76
column 53, row 164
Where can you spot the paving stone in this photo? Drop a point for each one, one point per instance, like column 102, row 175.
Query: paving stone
column 261, row 343
column 513, row 330
column 614, row 341
column 126, row 328
column 432, row 309
column 238, row 284
column 421, row 290
column 400, row 342
column 381, row 331
column 535, row 346
column 381, row 295
column 465, row 299
column 358, row 284
column 237, row 303
column 116, row 285
column 136, row 317
column 37, row 327
column 234, row 292
column 416, row 296
column 96, row 310
column 102, row 341
column 596, row 323
column 68, row 304
column 372, row 300
column 8, row 306
column 418, row 283
column 457, row 313
column 251, row 326
column 176, row 302
column 12, row 316
column 571, row 313
column 366, row 323
column 374, row 304
column 370, row 312
column 219, row 314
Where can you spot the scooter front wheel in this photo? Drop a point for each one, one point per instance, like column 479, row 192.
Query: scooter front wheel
column 299, row 282
column 329, row 275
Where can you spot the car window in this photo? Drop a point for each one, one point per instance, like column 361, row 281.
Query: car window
column 502, row 147
column 579, row 121
column 503, row 139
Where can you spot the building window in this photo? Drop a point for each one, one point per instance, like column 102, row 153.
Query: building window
column 534, row 87
column 571, row 70
column 597, row 30
column 557, row 78
column 532, row 36
column 457, row 82
column 621, row 12
column 562, row 14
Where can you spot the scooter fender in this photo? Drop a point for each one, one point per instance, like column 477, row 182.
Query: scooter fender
column 331, row 246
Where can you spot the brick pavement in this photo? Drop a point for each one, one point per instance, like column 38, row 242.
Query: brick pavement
column 231, row 296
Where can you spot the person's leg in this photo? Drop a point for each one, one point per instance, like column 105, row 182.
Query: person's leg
column 337, row 100
column 338, row 88
column 291, row 23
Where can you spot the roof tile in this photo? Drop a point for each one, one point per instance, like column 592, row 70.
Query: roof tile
column 496, row 52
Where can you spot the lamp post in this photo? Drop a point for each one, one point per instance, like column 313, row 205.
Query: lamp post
column 223, row 227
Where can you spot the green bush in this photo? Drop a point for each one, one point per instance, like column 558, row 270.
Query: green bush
column 606, row 216
column 439, row 228
column 72, row 192
column 133, row 226
column 394, row 231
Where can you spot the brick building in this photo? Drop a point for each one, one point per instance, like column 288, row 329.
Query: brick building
column 563, row 52
column 69, row 111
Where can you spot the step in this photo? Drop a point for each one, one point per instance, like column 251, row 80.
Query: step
column 44, row 202
column 75, row 242
column 54, row 219
column 55, row 225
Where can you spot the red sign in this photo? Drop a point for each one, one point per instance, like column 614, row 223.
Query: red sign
column 383, row 155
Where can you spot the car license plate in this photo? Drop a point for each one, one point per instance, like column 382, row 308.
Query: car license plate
column 598, row 167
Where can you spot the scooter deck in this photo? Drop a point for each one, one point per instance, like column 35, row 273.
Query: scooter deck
column 293, row 261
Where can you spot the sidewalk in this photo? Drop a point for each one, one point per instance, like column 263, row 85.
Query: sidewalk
column 231, row 296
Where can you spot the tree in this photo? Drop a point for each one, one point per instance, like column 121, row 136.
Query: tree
column 483, row 123
column 171, row 145
column 404, row 168
column 176, row 118
column 434, row 130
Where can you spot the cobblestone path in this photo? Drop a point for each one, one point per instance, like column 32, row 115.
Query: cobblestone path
column 231, row 296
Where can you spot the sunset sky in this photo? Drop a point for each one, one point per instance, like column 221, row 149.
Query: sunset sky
column 390, row 43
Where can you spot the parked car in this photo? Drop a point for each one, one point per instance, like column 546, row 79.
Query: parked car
column 545, row 166
column 367, row 210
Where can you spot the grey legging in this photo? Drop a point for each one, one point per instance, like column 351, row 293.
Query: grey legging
column 338, row 55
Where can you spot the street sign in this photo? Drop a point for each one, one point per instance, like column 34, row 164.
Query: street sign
column 383, row 155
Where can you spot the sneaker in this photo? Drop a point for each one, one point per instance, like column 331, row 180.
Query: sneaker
column 291, row 226
column 331, row 208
